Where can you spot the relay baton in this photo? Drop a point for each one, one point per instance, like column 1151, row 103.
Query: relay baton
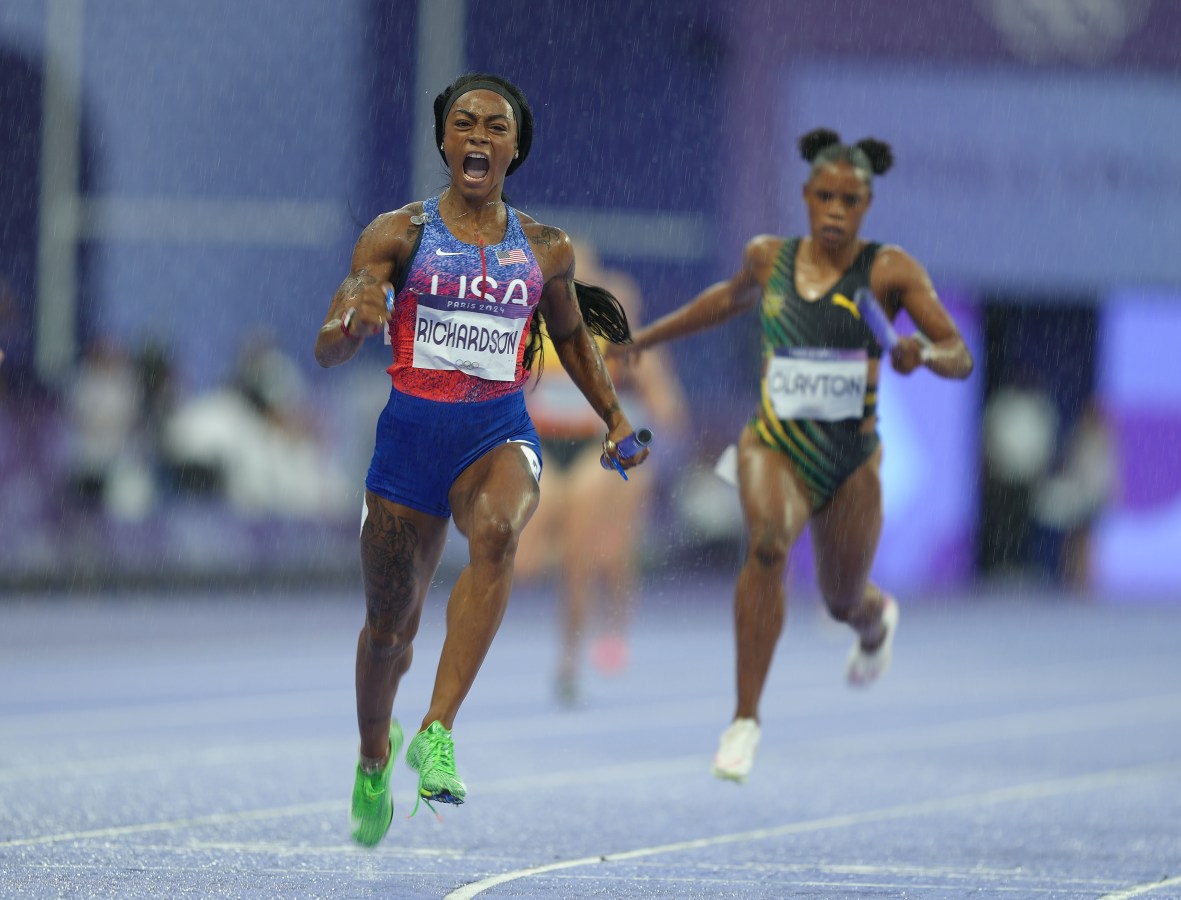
column 875, row 317
column 347, row 322
column 627, row 448
column 389, row 305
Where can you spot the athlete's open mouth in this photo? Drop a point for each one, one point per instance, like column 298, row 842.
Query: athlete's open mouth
column 475, row 165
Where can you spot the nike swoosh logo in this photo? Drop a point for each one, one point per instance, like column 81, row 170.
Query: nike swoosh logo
column 446, row 253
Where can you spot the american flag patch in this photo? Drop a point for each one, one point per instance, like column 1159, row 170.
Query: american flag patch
column 508, row 257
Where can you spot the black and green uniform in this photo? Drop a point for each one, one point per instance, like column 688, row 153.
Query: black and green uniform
column 824, row 453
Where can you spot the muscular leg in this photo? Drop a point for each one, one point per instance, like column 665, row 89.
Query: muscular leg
column 400, row 550
column 775, row 508
column 491, row 501
column 845, row 535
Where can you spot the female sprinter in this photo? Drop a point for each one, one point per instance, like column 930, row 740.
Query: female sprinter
column 590, row 530
column 457, row 282
column 810, row 456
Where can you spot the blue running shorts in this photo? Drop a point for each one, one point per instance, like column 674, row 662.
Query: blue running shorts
column 422, row 445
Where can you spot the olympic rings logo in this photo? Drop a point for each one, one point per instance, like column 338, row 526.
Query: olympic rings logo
column 467, row 364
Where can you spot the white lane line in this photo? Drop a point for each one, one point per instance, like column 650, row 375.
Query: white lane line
column 1015, row 881
column 227, row 710
column 1031, row 791
column 204, row 758
column 1018, row 726
column 842, row 888
column 1141, row 889
column 298, row 809
column 266, row 847
column 604, row 774
column 1093, row 717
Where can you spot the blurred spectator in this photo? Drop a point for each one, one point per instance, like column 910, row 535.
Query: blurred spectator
column 107, row 466
column 157, row 391
column 1075, row 494
column 1020, row 438
column 252, row 441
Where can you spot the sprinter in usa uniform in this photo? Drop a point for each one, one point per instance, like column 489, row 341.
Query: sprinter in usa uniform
column 457, row 283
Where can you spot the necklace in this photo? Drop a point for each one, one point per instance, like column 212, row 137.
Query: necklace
column 469, row 212
column 420, row 219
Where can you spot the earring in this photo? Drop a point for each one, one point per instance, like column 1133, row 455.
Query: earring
column 440, row 146
column 516, row 154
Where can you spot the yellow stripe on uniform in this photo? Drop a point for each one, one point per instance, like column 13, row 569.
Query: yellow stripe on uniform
column 811, row 479
column 814, row 471
column 801, row 441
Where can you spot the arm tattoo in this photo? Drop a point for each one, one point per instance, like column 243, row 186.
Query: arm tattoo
column 389, row 566
column 354, row 284
column 546, row 237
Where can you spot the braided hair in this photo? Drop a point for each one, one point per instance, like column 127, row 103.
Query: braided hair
column 870, row 156
column 601, row 311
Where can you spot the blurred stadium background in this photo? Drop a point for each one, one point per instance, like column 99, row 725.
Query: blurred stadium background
column 181, row 185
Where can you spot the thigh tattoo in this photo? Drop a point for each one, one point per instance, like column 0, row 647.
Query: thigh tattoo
column 389, row 562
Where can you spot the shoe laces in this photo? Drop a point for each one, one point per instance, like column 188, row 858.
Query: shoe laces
column 373, row 788
column 440, row 755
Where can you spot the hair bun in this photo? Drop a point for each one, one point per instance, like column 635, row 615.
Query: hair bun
column 817, row 140
column 881, row 157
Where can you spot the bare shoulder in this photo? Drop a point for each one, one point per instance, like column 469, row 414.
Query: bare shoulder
column 404, row 223
column 760, row 253
column 898, row 279
column 893, row 259
column 762, row 249
column 391, row 235
column 551, row 246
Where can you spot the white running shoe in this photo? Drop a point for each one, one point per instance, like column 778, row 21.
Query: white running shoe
column 736, row 752
column 863, row 668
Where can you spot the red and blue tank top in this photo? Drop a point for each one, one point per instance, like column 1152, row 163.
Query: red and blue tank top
column 462, row 314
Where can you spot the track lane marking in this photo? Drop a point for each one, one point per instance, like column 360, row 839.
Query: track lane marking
column 1091, row 717
column 1142, row 889
column 1031, row 791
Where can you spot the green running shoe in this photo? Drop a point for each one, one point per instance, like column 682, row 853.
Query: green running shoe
column 432, row 755
column 373, row 805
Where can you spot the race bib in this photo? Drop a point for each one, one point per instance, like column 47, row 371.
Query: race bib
column 808, row 383
column 480, row 337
